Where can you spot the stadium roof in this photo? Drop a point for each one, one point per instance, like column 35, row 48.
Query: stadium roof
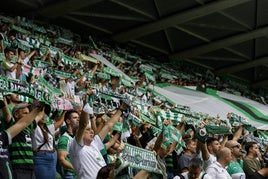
column 230, row 37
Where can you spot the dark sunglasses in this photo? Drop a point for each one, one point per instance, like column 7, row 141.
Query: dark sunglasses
column 237, row 146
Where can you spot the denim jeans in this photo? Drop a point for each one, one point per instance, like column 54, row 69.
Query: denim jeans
column 45, row 165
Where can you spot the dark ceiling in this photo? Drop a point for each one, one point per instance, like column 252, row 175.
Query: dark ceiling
column 227, row 36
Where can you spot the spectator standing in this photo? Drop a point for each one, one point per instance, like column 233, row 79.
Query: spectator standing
column 9, row 68
column 24, row 60
column 45, row 155
column 235, row 168
column 85, row 148
column 72, row 121
column 6, row 137
column 5, row 114
column 217, row 169
column 209, row 151
column 253, row 163
column 189, row 153
column 21, row 150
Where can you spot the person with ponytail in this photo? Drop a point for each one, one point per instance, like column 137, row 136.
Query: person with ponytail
column 45, row 154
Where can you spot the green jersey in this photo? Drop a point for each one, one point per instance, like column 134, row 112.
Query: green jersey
column 64, row 144
column 21, row 149
column 235, row 169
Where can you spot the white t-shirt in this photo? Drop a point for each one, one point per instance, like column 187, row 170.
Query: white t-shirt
column 215, row 170
column 211, row 159
column 25, row 61
column 7, row 65
column 202, row 174
column 87, row 160
column 38, row 138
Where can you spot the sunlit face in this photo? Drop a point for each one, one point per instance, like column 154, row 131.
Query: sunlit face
column 88, row 135
column 236, row 150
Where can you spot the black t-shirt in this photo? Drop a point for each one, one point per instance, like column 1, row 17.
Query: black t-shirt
column 5, row 172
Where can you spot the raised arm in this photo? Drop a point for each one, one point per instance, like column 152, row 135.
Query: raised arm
column 92, row 119
column 60, row 121
column 238, row 133
column 100, row 125
column 94, row 70
column 111, row 142
column 10, row 69
column 25, row 121
column 223, row 142
column 204, row 150
column 142, row 174
column 47, row 57
column 172, row 147
column 83, row 122
column 181, row 126
column 6, row 112
column 81, row 78
column 26, row 60
column 109, row 124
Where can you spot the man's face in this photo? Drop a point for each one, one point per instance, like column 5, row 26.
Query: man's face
column 22, row 54
column 21, row 113
column 9, row 55
column 115, row 80
column 14, row 98
column 215, row 146
column 74, row 120
column 236, row 150
column 192, row 146
column 194, row 173
column 255, row 149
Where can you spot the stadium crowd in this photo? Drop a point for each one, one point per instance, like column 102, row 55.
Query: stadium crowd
column 86, row 110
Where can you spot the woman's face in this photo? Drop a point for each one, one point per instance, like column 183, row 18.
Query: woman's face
column 88, row 135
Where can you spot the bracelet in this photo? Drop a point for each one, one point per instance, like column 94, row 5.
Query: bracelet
column 18, row 63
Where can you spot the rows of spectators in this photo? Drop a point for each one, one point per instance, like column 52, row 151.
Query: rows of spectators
column 95, row 112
